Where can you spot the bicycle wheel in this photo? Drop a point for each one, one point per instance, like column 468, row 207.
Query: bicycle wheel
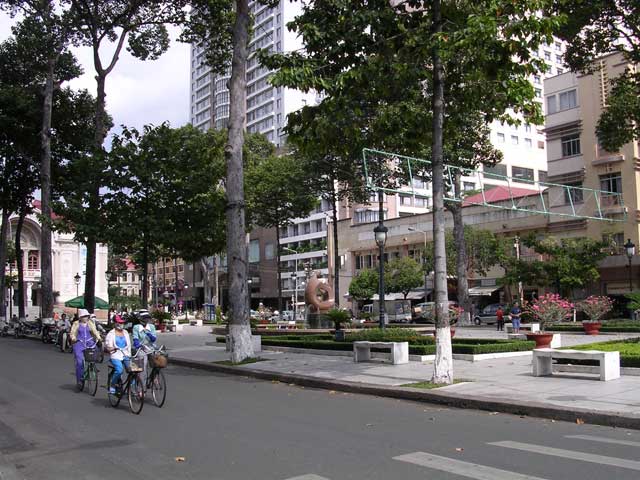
column 91, row 379
column 158, row 386
column 136, row 393
column 114, row 398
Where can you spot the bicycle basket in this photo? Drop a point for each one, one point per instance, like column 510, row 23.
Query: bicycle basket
column 137, row 364
column 158, row 360
column 92, row 355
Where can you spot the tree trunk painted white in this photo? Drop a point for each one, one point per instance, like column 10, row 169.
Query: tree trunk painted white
column 443, row 365
column 239, row 327
column 20, row 263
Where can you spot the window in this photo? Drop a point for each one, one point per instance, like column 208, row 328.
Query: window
column 573, row 195
column 295, row 230
column 611, row 182
column 547, row 55
column 527, row 127
column 269, row 251
column 418, row 183
column 522, row 173
column 560, row 70
column 542, row 175
column 514, row 140
column 467, row 186
column 559, row 59
column 405, row 200
column 422, row 202
column 306, row 227
column 500, row 137
column 568, row 100
column 541, row 144
column 552, row 106
column 537, row 80
column 558, row 46
column 496, row 170
column 319, row 226
column 32, row 261
column 571, row 145
column 538, row 93
column 254, row 251
column 528, row 143
column 366, row 216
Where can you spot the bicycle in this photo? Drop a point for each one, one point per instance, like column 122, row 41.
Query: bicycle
column 133, row 386
column 90, row 375
column 156, row 381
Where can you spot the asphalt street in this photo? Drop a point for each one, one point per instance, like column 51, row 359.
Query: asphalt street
column 228, row 427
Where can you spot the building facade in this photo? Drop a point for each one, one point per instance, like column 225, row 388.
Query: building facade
column 69, row 259
column 574, row 103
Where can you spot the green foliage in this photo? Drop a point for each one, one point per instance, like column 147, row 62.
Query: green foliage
column 364, row 285
column 387, row 335
column 485, row 249
column 568, row 263
column 160, row 315
column 634, row 301
column 629, row 350
column 402, row 275
column 619, row 122
column 338, row 317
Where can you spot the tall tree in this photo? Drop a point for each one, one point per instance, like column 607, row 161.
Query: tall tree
column 46, row 33
column 364, row 285
column 165, row 197
column 403, row 275
column 109, row 25
column 278, row 190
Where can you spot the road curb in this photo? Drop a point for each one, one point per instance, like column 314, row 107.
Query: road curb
column 530, row 409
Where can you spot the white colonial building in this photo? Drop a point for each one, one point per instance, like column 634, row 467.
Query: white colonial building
column 69, row 258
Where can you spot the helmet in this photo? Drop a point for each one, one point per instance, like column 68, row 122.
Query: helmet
column 118, row 319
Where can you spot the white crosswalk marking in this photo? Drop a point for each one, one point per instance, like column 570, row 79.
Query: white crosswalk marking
column 464, row 469
column 308, row 477
column 604, row 440
column 559, row 452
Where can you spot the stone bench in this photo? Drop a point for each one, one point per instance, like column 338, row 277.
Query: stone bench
column 609, row 361
column 533, row 327
column 399, row 351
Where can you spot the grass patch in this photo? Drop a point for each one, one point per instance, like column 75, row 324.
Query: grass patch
column 246, row 361
column 430, row 385
column 629, row 351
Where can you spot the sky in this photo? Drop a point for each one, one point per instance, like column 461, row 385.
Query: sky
column 138, row 93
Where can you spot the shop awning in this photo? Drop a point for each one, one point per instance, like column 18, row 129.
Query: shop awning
column 417, row 295
column 483, row 291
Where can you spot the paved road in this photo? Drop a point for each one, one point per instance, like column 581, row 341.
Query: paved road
column 234, row 428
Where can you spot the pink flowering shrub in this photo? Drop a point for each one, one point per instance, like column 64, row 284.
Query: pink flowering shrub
column 595, row 307
column 549, row 308
column 454, row 314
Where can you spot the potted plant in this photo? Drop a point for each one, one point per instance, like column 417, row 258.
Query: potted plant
column 549, row 308
column 338, row 317
column 595, row 307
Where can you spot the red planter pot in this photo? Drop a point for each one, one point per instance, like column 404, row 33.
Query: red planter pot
column 543, row 340
column 591, row 328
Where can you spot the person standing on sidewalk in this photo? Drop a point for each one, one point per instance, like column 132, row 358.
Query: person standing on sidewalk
column 515, row 317
column 500, row 318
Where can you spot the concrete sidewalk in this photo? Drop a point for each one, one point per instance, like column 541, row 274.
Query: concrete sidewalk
column 505, row 384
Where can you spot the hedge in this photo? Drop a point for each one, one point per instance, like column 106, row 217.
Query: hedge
column 604, row 328
column 629, row 351
column 467, row 346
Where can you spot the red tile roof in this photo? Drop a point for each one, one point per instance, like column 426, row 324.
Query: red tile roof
column 499, row 194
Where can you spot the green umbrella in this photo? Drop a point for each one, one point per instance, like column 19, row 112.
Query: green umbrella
column 78, row 302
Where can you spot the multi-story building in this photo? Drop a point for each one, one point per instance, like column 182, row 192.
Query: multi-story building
column 574, row 103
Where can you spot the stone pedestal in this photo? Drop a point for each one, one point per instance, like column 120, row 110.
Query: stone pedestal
column 318, row 320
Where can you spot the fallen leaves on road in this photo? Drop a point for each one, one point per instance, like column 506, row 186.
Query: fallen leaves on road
column 181, row 459
column 579, row 421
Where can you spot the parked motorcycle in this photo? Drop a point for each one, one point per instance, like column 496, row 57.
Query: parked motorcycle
column 64, row 341
column 49, row 333
column 27, row 328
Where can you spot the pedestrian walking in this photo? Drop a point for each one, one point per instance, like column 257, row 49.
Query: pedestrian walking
column 515, row 317
column 500, row 318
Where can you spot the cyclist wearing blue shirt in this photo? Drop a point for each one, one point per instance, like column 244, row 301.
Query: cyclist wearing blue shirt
column 144, row 335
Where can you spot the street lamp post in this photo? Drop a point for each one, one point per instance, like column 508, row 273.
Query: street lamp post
column 76, row 279
column 380, row 235
column 630, row 249
column 424, row 258
column 516, row 245
column 294, row 276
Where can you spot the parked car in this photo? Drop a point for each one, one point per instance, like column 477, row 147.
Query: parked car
column 425, row 313
column 487, row 315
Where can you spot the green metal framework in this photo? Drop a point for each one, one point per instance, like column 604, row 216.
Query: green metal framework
column 394, row 173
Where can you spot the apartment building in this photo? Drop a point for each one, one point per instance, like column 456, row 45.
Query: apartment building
column 573, row 104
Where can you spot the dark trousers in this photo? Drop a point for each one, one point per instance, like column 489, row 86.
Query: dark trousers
column 500, row 325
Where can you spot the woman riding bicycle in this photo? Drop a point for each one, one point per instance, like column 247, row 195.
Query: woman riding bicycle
column 83, row 335
column 118, row 344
